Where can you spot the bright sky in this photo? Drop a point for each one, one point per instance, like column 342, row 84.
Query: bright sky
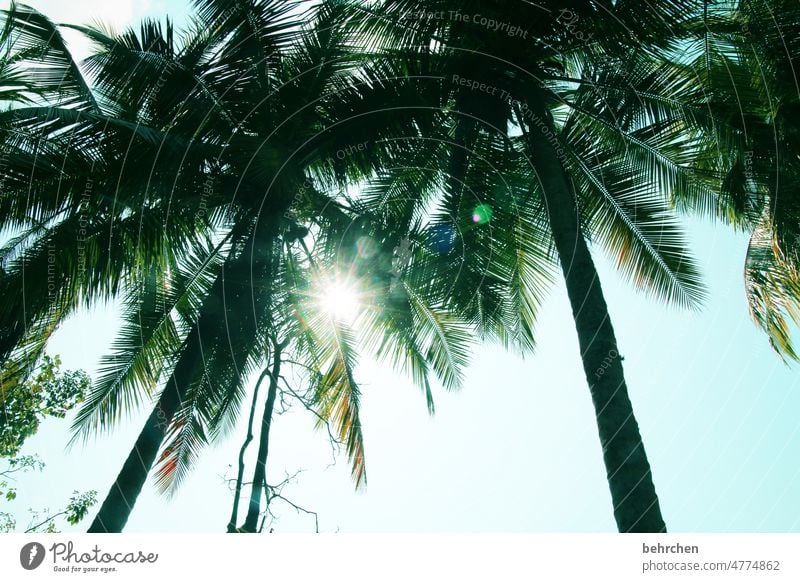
column 516, row 450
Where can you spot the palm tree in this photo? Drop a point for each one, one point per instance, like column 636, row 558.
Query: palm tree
column 218, row 114
column 35, row 68
column 199, row 247
column 263, row 159
column 744, row 55
column 607, row 148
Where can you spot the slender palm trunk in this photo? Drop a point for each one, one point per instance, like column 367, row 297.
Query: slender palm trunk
column 259, row 475
column 636, row 507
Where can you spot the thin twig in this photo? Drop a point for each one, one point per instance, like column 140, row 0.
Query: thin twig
column 298, row 508
column 51, row 518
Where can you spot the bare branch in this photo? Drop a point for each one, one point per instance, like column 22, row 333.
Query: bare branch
column 298, row 508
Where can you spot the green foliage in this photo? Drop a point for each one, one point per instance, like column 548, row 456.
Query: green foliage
column 49, row 393
column 14, row 465
column 79, row 505
column 743, row 58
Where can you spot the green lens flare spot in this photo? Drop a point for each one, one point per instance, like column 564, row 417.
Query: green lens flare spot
column 482, row 214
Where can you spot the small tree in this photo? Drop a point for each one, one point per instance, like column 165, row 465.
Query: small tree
column 23, row 405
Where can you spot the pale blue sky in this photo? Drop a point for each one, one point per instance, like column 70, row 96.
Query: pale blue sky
column 516, row 449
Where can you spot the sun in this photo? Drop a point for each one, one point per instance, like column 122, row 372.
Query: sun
column 340, row 299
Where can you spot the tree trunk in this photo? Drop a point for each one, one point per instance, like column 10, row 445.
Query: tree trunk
column 210, row 326
column 636, row 507
column 237, row 495
column 259, row 475
column 119, row 501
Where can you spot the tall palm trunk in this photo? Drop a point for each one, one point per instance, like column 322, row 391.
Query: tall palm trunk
column 119, row 502
column 636, row 507
column 260, row 473
column 209, row 327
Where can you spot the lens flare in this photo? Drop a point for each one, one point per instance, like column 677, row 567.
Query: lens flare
column 482, row 214
column 340, row 299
